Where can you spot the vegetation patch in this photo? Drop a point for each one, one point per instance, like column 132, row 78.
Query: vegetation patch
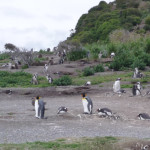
column 63, row 81
column 97, row 143
column 20, row 79
column 107, row 78
column 76, row 55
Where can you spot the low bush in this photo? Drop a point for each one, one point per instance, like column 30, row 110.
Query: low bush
column 63, row 81
column 25, row 66
column 76, row 55
column 99, row 68
column 4, row 56
column 88, row 71
column 139, row 64
column 39, row 59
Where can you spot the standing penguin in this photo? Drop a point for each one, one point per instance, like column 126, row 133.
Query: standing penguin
column 39, row 108
column 46, row 68
column 36, row 105
column 116, row 86
column 136, row 89
column 49, row 78
column 87, row 104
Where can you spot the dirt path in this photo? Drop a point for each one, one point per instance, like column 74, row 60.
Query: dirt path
column 18, row 124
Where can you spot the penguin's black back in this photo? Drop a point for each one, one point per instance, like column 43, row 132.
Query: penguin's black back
column 144, row 116
column 134, row 89
column 105, row 110
column 62, row 109
column 89, row 100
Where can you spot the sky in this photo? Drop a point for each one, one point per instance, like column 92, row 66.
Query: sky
column 40, row 24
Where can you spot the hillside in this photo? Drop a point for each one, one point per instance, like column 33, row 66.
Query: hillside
column 103, row 19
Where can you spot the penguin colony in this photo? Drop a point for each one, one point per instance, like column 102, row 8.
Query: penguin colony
column 87, row 109
column 86, row 100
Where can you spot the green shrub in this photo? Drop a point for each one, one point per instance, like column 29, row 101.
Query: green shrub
column 45, row 52
column 147, row 20
column 25, row 66
column 147, row 27
column 122, row 61
column 99, row 68
column 147, row 45
column 139, row 64
column 63, row 81
column 38, row 60
column 145, row 58
column 88, row 71
column 76, row 55
column 4, row 56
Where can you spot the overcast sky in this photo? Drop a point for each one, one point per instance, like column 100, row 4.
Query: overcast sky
column 40, row 24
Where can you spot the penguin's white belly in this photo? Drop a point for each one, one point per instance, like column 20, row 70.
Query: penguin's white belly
column 101, row 114
column 138, row 90
column 36, row 108
column 116, row 86
column 62, row 112
column 85, row 105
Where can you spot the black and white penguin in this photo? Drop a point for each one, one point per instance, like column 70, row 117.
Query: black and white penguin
column 39, row 108
column 87, row 104
column 104, row 112
column 112, row 55
column 116, row 86
column 88, row 83
column 136, row 89
column 137, row 74
column 143, row 116
column 8, row 92
column 62, row 110
column 46, row 67
column 49, row 78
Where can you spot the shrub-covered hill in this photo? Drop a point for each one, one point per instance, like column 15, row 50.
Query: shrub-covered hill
column 104, row 18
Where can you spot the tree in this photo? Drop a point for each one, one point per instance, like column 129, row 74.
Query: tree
column 23, row 55
column 11, row 47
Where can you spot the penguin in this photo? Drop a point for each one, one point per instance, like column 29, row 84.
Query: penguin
column 104, row 112
column 112, row 55
column 88, row 83
column 137, row 74
column 87, row 104
column 39, row 108
column 34, row 79
column 146, row 147
column 138, row 88
column 46, row 67
column 49, row 78
column 143, row 116
column 62, row 110
column 8, row 92
column 136, row 71
column 116, row 86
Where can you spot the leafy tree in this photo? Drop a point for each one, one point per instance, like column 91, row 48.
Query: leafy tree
column 10, row 46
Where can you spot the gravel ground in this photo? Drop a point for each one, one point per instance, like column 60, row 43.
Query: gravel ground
column 18, row 124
